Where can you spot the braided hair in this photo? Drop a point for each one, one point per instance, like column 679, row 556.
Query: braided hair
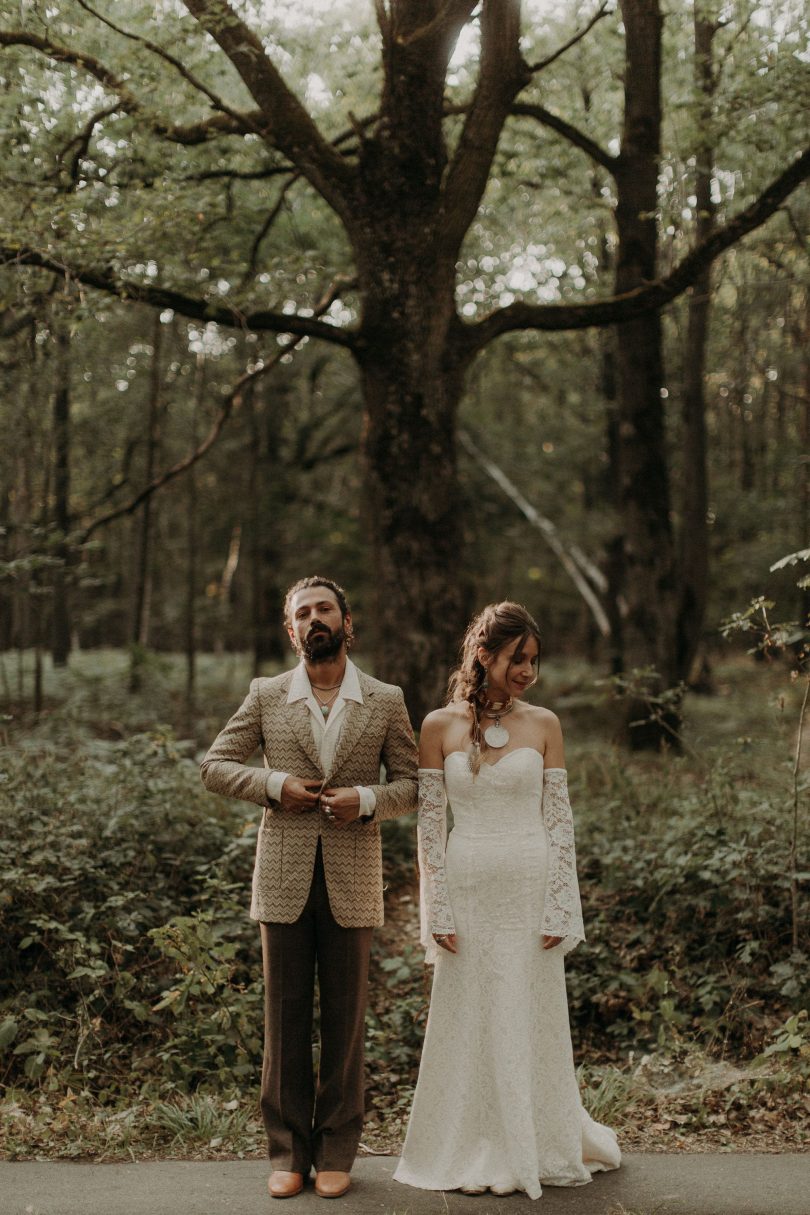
column 493, row 628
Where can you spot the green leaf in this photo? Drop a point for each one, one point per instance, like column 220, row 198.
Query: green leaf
column 8, row 1031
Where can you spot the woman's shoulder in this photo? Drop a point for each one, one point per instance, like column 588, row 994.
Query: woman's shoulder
column 541, row 714
column 439, row 719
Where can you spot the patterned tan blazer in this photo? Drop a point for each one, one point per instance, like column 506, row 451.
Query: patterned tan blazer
column 374, row 733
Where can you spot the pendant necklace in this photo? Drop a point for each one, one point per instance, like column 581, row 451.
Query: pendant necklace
column 325, row 705
column 496, row 735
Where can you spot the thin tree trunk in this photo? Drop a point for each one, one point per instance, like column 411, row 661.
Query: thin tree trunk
column 191, row 555
column 269, row 499
column 143, row 583
column 694, row 540
column 647, row 554
column 61, row 628
column 804, row 462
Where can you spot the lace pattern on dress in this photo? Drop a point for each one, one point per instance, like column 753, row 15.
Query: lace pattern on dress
column 434, row 901
column 562, row 913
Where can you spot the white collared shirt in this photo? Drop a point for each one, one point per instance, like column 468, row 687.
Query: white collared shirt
column 325, row 730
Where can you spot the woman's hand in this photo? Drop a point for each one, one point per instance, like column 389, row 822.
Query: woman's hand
column 550, row 942
column 446, row 940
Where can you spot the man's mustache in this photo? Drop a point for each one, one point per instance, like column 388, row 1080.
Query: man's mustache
column 318, row 628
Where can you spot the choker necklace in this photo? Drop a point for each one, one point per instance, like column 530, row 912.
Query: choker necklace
column 496, row 735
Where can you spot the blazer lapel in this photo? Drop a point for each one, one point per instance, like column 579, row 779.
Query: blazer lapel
column 355, row 720
column 299, row 716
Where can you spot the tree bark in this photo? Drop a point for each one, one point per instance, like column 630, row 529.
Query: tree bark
column 694, row 540
column 61, row 615
column 412, row 395
column 647, row 563
column 269, row 490
column 143, row 576
column 192, row 563
column 414, row 207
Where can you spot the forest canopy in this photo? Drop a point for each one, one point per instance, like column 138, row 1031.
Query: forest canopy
column 370, row 258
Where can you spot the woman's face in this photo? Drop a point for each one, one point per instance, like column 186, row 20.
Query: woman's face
column 512, row 670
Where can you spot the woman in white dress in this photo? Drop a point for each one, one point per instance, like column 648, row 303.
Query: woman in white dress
column 496, row 1104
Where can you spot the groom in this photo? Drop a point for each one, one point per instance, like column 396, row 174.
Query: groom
column 325, row 729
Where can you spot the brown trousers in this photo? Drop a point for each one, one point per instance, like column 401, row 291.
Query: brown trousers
column 309, row 1123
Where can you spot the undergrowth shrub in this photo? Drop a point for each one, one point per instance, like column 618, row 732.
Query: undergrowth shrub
column 687, row 904
column 122, row 881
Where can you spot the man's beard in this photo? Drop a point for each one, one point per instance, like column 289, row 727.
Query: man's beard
column 323, row 645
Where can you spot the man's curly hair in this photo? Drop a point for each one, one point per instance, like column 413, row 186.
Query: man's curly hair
column 303, row 584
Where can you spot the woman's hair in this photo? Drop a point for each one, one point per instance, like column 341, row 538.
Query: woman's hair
column 492, row 628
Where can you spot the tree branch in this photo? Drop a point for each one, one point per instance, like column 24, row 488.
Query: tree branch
column 185, row 305
column 573, row 134
column 604, row 11
column 286, row 123
column 82, row 143
column 446, row 24
column 658, row 294
column 162, row 53
column 570, row 560
column 10, row 328
column 194, row 133
column 501, row 77
column 272, row 216
column 230, row 404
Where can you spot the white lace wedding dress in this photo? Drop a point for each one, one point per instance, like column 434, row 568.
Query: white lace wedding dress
column 497, row 1101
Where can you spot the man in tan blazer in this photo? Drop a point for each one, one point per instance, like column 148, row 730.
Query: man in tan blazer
column 325, row 729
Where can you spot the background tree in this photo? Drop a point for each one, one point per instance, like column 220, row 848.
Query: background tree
column 401, row 168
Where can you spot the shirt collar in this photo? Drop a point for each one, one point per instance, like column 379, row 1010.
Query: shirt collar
column 300, row 688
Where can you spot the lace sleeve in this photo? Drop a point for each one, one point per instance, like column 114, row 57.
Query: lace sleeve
column 435, row 911
column 562, row 913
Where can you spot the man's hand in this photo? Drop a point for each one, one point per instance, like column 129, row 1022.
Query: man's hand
column 341, row 806
column 299, row 796
column 550, row 942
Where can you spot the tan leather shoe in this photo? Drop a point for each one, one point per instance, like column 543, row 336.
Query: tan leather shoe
column 285, row 1185
column 331, row 1184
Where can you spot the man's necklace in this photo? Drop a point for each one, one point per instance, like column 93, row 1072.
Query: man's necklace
column 496, row 735
column 325, row 705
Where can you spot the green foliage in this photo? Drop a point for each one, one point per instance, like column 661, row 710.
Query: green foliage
column 687, row 899
column 117, row 912
column 131, row 972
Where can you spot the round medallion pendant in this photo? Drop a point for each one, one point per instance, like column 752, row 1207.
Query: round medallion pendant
column 496, row 736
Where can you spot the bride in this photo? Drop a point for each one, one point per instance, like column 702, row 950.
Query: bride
column 496, row 1104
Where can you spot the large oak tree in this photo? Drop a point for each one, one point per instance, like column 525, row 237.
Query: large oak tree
column 404, row 183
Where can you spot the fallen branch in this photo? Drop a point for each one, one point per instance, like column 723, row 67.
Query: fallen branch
column 573, row 560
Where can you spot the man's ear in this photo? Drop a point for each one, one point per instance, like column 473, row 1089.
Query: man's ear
column 291, row 635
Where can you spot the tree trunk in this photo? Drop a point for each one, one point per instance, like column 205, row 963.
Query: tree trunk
column 412, row 208
column 694, row 545
column 269, row 496
column 143, row 583
column 804, row 463
column 61, row 618
column 191, row 556
column 412, row 387
column 647, row 556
